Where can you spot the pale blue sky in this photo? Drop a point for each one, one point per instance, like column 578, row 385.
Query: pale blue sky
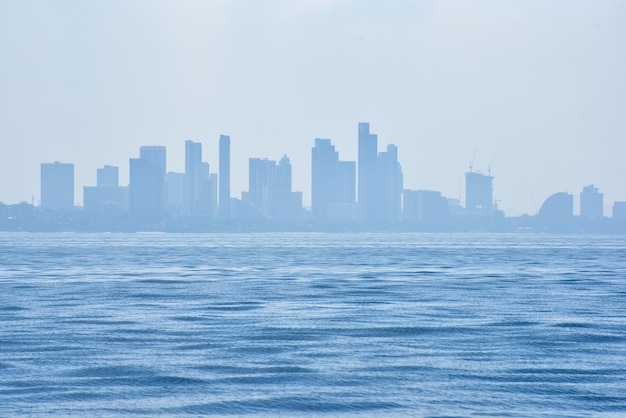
column 538, row 85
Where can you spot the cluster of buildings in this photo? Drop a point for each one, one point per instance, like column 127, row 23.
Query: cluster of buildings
column 367, row 193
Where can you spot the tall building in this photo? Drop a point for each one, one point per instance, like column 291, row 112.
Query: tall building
column 107, row 199
column 260, row 173
column 108, row 176
column 212, row 192
column 380, row 180
column 193, row 177
column 619, row 211
column 324, row 176
column 147, row 184
column 280, row 196
column 388, row 204
column 426, row 208
column 591, row 202
column 368, row 153
column 204, row 203
column 333, row 183
column 270, row 195
column 175, row 192
column 478, row 192
column 57, row 186
column 224, row 178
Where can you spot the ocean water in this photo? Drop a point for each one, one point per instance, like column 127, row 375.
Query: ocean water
column 312, row 324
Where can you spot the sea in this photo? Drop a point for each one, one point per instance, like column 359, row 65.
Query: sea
column 312, row 324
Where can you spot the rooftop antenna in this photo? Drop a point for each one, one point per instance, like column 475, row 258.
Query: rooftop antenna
column 489, row 166
column 471, row 164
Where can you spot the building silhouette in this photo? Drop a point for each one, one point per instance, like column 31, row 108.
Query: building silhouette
column 260, row 173
column 194, row 177
column 175, row 193
column 591, row 203
column 57, row 186
column 284, row 204
column 367, row 155
column 333, row 183
column 425, row 208
column 478, row 192
column 270, row 194
column 107, row 199
column 379, row 180
column 619, row 211
column 224, row 178
column 147, row 184
column 389, row 183
column 557, row 210
column 108, row 176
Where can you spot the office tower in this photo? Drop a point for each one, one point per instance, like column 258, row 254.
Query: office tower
column 203, row 202
column 591, row 202
column 147, row 184
column 388, row 207
column 175, row 192
column 324, row 177
column 224, row 178
column 57, row 186
column 619, row 211
column 155, row 154
column 425, row 207
column 280, row 196
column 107, row 199
column 108, row 176
column 368, row 153
column 333, row 183
column 260, row 173
column 270, row 195
column 212, row 191
column 193, row 176
column 478, row 192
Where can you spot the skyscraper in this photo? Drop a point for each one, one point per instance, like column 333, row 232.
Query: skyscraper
column 324, row 185
column 261, row 172
column 147, row 184
column 333, row 182
column 388, row 203
column 224, row 178
column 478, row 192
column 107, row 199
column 591, row 202
column 108, row 176
column 57, row 186
column 193, row 176
column 280, row 196
column 368, row 152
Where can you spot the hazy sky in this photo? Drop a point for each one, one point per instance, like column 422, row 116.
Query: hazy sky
column 537, row 88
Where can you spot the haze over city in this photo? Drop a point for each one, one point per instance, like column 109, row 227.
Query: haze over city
column 534, row 89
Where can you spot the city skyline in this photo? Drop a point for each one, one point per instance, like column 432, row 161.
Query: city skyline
column 535, row 88
column 155, row 193
column 194, row 162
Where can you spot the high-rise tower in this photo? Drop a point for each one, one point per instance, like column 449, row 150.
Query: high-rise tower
column 591, row 202
column 478, row 192
column 147, row 184
column 224, row 178
column 193, row 176
column 333, row 182
column 57, row 186
column 368, row 149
